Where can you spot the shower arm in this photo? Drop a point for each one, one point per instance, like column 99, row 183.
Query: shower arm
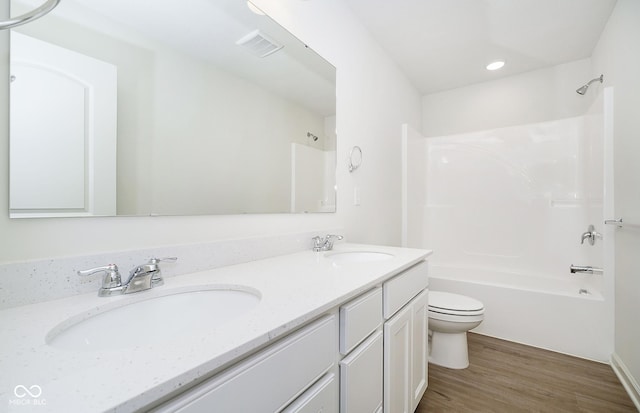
column 32, row 15
column 597, row 79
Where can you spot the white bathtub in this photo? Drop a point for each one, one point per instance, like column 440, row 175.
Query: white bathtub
column 546, row 312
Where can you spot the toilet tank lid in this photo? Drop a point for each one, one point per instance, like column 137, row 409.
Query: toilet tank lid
column 450, row 301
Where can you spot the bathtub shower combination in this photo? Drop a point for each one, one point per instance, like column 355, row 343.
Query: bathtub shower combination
column 504, row 211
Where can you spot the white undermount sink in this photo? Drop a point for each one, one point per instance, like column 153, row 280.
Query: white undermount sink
column 358, row 256
column 151, row 321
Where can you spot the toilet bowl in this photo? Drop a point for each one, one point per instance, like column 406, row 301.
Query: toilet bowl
column 450, row 317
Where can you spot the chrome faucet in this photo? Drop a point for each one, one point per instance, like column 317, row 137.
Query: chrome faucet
column 590, row 235
column 584, row 269
column 142, row 277
column 324, row 243
column 146, row 276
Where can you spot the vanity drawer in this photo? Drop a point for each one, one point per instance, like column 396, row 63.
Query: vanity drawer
column 269, row 380
column 401, row 289
column 321, row 397
column 359, row 318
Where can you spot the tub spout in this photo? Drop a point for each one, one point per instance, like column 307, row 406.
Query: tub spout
column 584, row 269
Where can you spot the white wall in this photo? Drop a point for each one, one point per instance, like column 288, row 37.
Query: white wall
column 246, row 168
column 617, row 55
column 537, row 96
column 374, row 99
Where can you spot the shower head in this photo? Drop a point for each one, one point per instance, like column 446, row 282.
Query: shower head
column 583, row 89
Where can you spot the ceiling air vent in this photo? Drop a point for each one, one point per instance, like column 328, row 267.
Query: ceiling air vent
column 259, row 44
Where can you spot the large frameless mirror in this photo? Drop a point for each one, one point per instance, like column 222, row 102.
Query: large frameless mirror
column 196, row 107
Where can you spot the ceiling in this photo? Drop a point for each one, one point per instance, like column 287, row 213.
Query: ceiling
column 208, row 31
column 446, row 44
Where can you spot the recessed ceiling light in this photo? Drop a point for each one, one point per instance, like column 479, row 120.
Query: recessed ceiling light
column 254, row 8
column 495, row 65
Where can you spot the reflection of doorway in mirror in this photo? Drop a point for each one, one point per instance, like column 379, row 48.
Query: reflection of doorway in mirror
column 62, row 132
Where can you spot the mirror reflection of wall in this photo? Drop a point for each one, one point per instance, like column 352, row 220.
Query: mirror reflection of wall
column 203, row 125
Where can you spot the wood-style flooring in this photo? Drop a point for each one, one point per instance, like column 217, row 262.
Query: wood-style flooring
column 510, row 377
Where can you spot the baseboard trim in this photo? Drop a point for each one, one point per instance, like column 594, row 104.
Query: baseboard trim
column 628, row 381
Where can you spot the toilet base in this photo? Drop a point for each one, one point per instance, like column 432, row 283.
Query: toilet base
column 449, row 350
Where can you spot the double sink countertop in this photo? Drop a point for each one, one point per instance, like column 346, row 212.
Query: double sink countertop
column 294, row 289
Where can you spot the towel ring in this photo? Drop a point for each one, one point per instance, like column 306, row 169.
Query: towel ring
column 355, row 158
column 32, row 15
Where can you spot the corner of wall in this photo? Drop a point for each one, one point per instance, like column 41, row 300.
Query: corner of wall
column 626, row 378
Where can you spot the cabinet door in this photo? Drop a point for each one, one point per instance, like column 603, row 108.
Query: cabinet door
column 361, row 378
column 420, row 349
column 397, row 362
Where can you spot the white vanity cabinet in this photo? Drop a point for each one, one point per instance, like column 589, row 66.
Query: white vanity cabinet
column 369, row 355
column 405, row 339
column 295, row 363
column 386, row 370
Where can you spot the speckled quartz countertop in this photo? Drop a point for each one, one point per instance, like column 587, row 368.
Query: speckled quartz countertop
column 294, row 289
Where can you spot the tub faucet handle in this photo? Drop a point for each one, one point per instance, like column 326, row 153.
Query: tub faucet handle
column 590, row 235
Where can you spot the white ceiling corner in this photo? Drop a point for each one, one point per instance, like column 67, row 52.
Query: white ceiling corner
column 445, row 44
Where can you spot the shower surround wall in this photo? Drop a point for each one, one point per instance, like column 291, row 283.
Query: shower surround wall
column 515, row 199
column 503, row 210
column 503, row 206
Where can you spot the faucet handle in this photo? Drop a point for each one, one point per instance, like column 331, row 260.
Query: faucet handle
column 329, row 240
column 586, row 236
column 111, row 278
column 159, row 260
column 156, row 279
column 591, row 235
column 317, row 243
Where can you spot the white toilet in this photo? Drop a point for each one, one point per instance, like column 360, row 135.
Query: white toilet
column 450, row 317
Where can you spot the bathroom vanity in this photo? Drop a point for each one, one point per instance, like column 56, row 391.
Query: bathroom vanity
column 344, row 330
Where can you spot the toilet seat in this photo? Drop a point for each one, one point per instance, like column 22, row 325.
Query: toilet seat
column 454, row 304
column 451, row 316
